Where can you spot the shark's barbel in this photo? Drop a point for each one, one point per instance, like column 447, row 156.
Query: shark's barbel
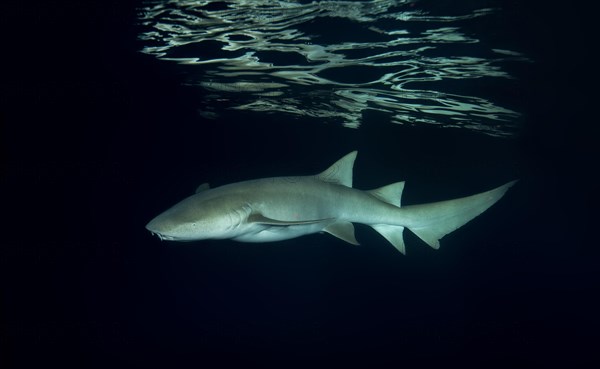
column 280, row 208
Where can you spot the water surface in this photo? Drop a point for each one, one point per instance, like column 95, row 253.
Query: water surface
column 335, row 60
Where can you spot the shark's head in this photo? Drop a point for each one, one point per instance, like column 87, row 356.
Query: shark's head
column 198, row 218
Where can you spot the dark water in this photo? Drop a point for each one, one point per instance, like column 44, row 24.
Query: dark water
column 455, row 97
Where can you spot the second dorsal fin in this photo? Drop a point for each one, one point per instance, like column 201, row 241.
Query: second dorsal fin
column 341, row 171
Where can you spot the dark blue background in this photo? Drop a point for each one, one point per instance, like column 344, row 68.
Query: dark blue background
column 98, row 138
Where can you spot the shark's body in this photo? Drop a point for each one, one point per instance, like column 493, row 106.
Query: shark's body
column 274, row 209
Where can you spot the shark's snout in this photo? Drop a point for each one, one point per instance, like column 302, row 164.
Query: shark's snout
column 164, row 228
column 152, row 226
column 157, row 229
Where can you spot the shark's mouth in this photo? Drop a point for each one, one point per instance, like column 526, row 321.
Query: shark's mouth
column 162, row 236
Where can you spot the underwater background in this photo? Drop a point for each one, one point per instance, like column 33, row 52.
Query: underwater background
column 113, row 111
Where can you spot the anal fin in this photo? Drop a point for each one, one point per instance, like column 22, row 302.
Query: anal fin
column 393, row 234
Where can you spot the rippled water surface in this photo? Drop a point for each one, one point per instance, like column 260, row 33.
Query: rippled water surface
column 334, row 60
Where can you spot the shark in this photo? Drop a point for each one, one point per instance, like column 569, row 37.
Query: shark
column 281, row 208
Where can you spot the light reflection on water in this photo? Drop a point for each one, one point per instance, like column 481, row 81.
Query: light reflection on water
column 333, row 60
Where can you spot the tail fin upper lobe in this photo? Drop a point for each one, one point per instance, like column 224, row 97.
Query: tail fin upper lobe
column 433, row 221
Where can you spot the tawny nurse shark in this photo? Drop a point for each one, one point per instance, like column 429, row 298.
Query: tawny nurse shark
column 280, row 208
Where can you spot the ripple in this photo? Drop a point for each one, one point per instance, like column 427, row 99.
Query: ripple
column 333, row 60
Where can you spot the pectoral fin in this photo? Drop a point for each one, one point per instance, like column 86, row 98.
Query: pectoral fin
column 259, row 218
column 202, row 187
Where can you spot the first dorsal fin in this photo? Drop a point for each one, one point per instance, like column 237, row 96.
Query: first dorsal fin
column 341, row 171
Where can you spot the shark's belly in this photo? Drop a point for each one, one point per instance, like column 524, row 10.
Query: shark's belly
column 279, row 233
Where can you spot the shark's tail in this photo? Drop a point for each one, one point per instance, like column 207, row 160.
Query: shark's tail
column 433, row 221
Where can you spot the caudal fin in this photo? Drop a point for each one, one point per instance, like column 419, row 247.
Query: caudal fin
column 433, row 221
